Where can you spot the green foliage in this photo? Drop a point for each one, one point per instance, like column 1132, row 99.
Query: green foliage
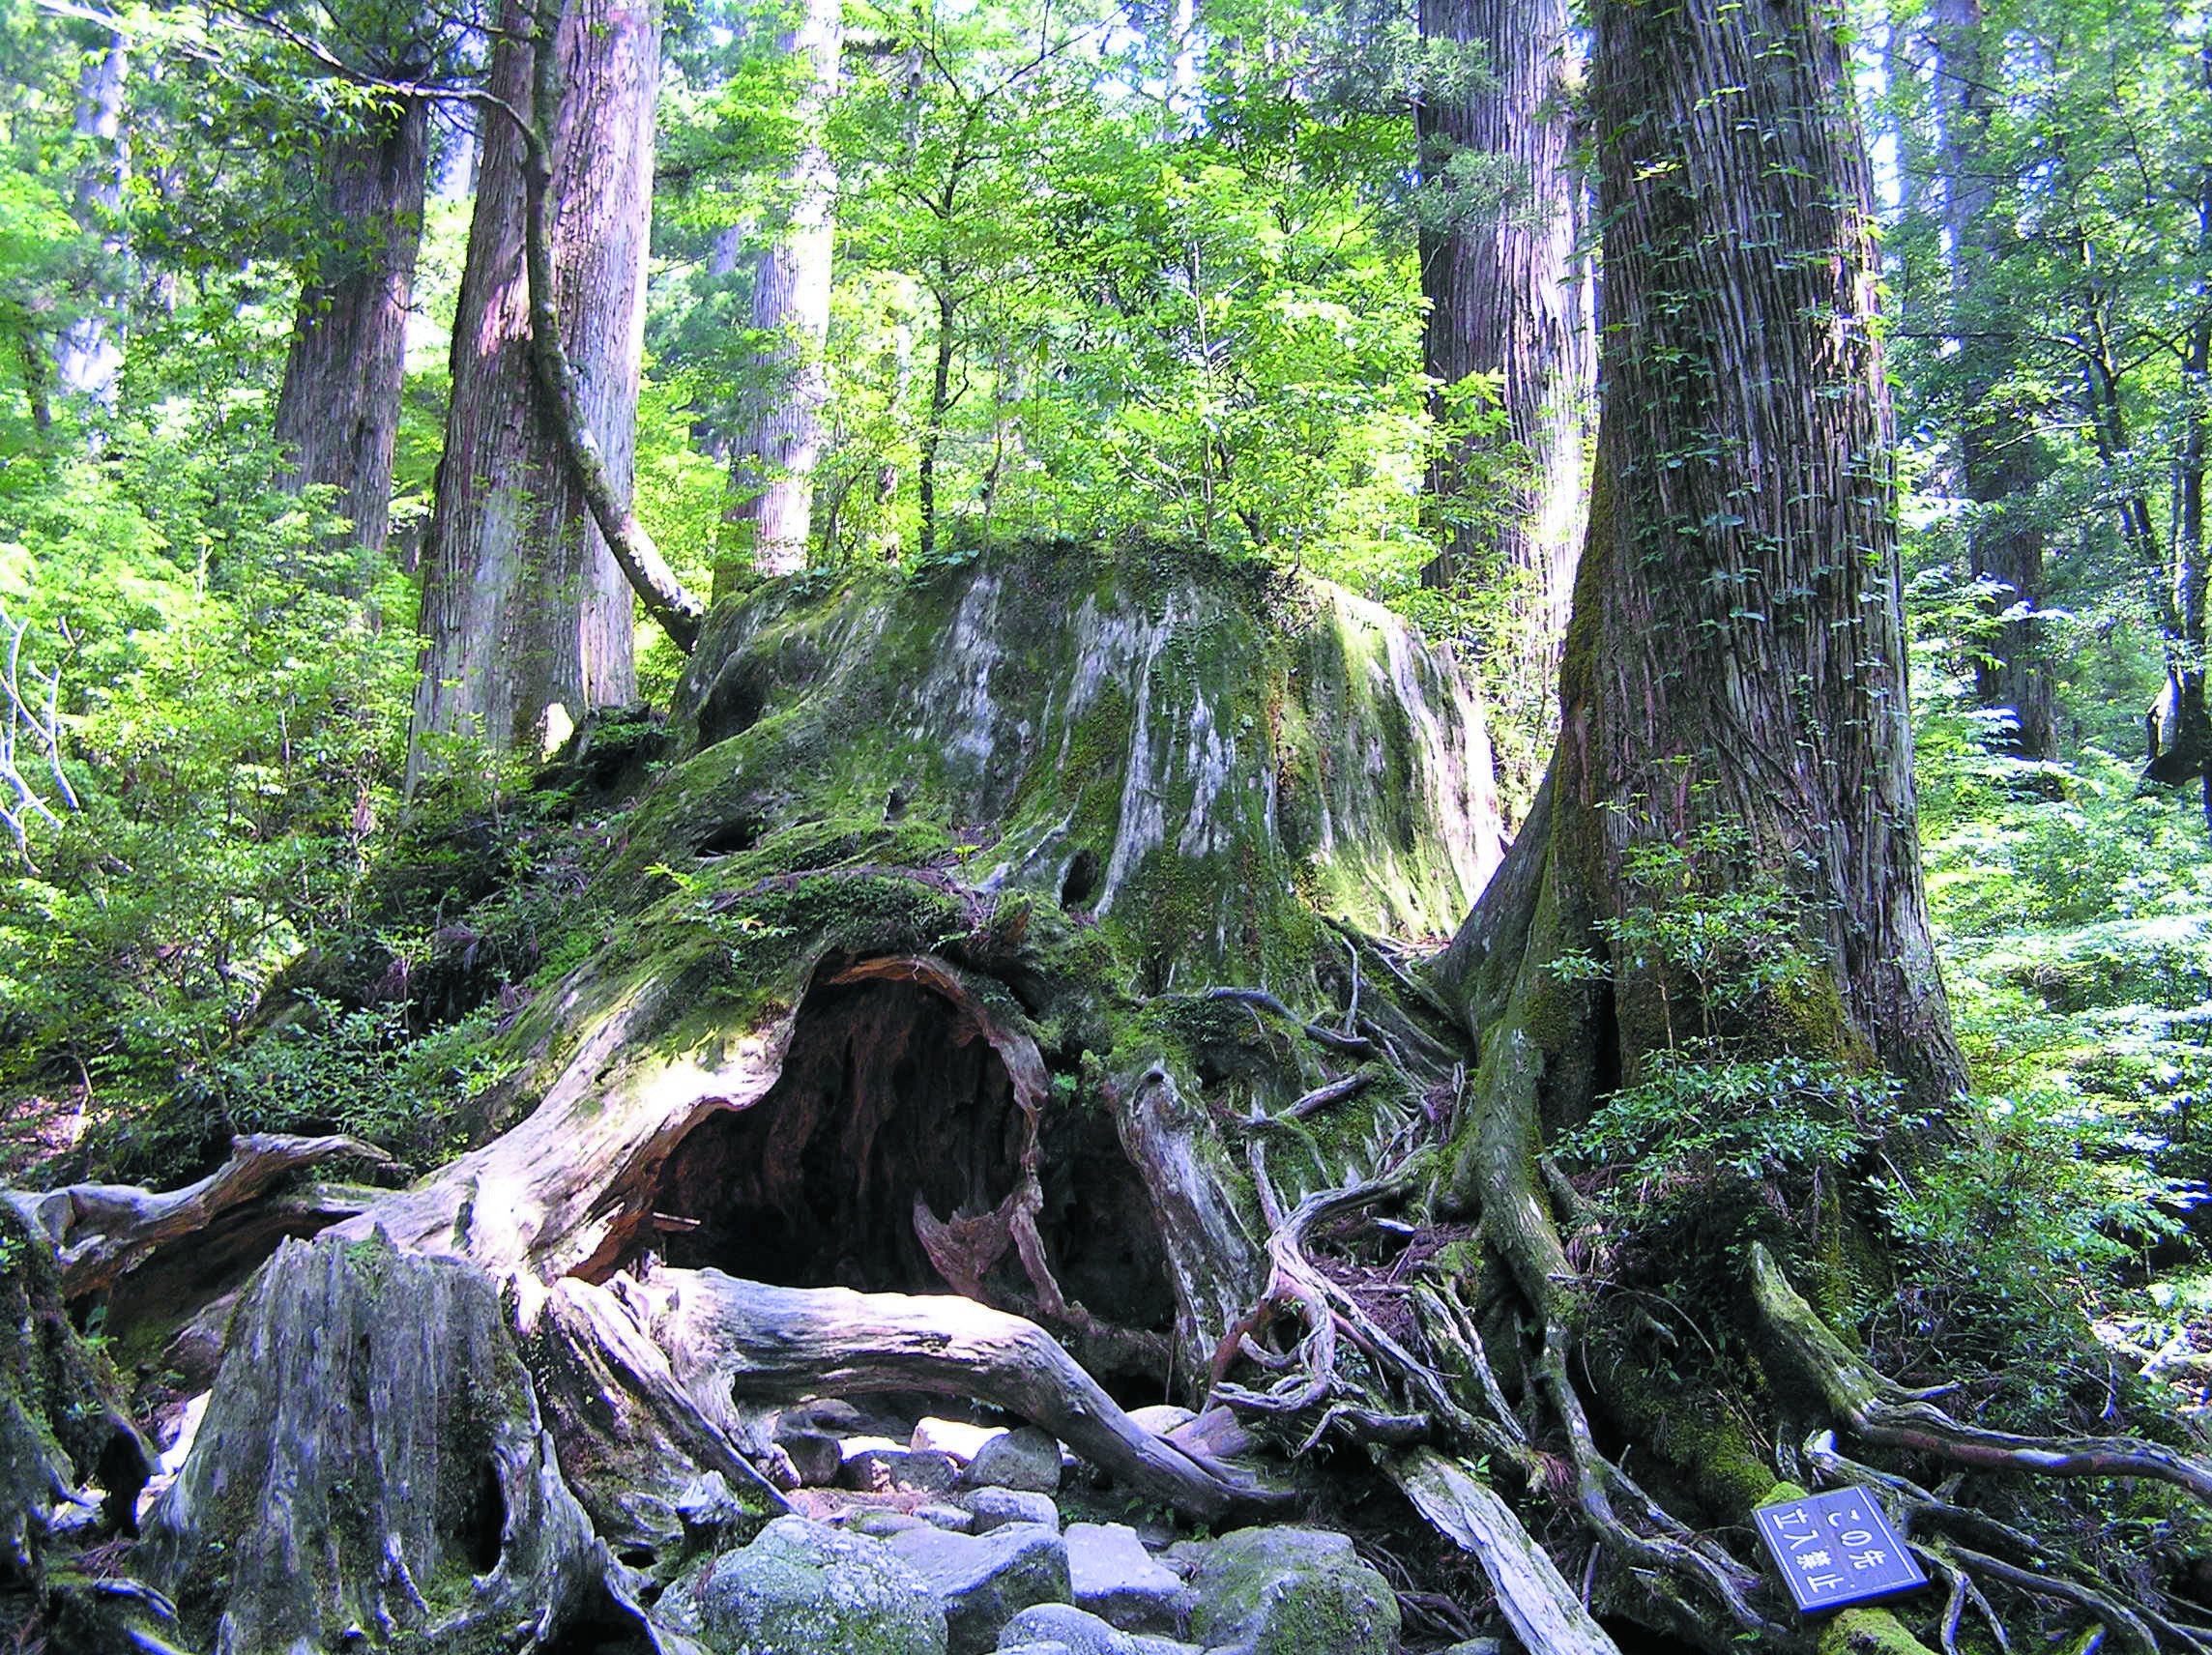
column 364, row 1073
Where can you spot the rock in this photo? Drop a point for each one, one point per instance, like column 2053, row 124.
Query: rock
column 953, row 1437
column 1479, row 1646
column 994, row 1508
column 815, row 1456
column 810, row 1589
column 883, row 1525
column 1042, row 1646
column 1162, row 1418
column 1153, row 1643
column 897, row 1471
column 1291, row 1591
column 1113, row 1577
column 958, row 1520
column 1080, row 1632
column 372, row 1456
column 1026, row 1459
column 983, row 1581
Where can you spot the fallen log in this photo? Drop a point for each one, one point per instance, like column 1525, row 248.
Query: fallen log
column 725, row 1335
column 101, row 1232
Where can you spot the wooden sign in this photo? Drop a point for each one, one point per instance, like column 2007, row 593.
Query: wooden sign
column 1836, row 1550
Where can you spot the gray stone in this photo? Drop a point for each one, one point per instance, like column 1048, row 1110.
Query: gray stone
column 1293, row 1591
column 1026, row 1459
column 814, row 1455
column 897, row 1471
column 1153, row 1643
column 1161, row 1418
column 982, row 1580
column 1041, row 1646
column 953, row 1437
column 1214, row 1433
column 1083, row 1632
column 882, row 1524
column 805, row 1587
column 1479, row 1646
column 995, row 1508
column 947, row 1516
column 1115, row 1579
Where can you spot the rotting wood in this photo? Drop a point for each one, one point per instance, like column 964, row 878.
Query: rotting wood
column 101, row 1231
column 1543, row 1609
column 724, row 1335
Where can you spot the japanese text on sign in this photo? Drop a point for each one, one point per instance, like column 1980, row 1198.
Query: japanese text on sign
column 1835, row 1550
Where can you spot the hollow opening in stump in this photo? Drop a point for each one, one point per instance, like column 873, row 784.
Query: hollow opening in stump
column 896, row 1092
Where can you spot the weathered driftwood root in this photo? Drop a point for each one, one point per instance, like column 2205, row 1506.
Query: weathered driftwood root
column 101, row 1231
column 631, row 1438
column 1543, row 1609
column 724, row 1335
column 1878, row 1410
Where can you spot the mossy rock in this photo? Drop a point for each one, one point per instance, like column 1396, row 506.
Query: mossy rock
column 804, row 1588
column 1291, row 1591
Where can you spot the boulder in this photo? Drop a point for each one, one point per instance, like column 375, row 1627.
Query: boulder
column 983, row 1581
column 1079, row 1631
column 1291, row 1591
column 1026, row 1459
column 942, row 1514
column 804, row 1588
column 1162, row 1418
column 995, row 1508
column 1116, row 1579
column 897, row 1471
column 954, row 1436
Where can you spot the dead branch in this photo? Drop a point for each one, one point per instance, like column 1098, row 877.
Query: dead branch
column 101, row 1232
column 1543, row 1609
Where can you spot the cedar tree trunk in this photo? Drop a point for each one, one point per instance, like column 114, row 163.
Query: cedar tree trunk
column 780, row 434
column 2002, row 462
column 1509, row 295
column 524, row 609
column 337, row 415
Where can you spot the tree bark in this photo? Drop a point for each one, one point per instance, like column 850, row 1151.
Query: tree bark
column 524, row 608
column 2000, row 459
column 1509, row 295
column 1737, row 655
column 779, row 436
column 337, row 412
column 89, row 356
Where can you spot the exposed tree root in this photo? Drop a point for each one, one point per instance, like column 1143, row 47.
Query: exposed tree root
column 101, row 1231
column 725, row 1335
column 1966, row 1543
column 1878, row 1410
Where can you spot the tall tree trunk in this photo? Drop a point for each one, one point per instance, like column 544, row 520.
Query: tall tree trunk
column 337, row 415
column 524, row 608
column 779, row 438
column 2002, row 462
column 1734, row 730
column 89, row 356
column 1509, row 296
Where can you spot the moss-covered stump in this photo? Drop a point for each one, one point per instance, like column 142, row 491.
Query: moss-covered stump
column 371, row 1472
column 63, row 1417
column 905, row 966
